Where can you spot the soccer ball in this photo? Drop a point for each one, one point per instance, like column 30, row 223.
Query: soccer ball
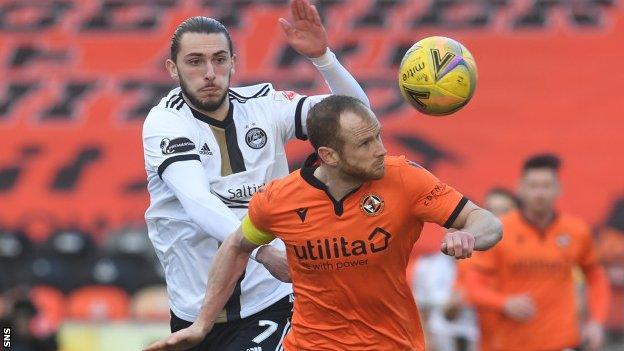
column 437, row 76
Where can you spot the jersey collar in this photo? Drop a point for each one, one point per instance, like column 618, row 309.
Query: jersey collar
column 307, row 173
column 229, row 119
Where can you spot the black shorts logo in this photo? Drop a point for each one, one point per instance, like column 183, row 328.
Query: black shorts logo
column 256, row 138
column 173, row 146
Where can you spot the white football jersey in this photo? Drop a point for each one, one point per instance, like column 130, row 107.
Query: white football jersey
column 239, row 155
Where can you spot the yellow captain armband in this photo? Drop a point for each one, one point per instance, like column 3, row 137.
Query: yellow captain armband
column 254, row 234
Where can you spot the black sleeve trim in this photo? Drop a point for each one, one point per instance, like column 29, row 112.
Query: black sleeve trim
column 298, row 126
column 456, row 211
column 173, row 159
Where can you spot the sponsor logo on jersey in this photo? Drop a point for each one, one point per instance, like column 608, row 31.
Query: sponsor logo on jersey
column 244, row 191
column 372, row 204
column 172, row 146
column 205, row 150
column 284, row 95
column 301, row 212
column 433, row 194
column 256, row 138
column 339, row 247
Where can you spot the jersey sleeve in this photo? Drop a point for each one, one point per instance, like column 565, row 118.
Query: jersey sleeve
column 258, row 212
column 167, row 139
column 291, row 110
column 588, row 255
column 431, row 199
column 254, row 234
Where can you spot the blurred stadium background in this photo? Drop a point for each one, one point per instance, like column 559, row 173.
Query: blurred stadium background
column 79, row 77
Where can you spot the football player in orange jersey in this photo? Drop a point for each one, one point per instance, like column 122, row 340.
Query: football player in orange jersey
column 349, row 225
column 528, row 277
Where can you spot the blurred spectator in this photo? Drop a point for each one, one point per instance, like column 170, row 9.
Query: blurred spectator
column 611, row 251
column 448, row 324
column 527, row 278
column 24, row 319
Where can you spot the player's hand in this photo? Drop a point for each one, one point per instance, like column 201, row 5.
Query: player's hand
column 181, row 340
column 593, row 336
column 458, row 243
column 519, row 307
column 306, row 33
column 274, row 260
column 452, row 308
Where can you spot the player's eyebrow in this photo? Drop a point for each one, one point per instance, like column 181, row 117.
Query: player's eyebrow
column 194, row 54
column 221, row 52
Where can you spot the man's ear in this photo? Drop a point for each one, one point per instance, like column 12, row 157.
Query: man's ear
column 328, row 155
column 233, row 69
column 172, row 68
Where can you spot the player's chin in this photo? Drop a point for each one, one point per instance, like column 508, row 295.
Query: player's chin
column 377, row 173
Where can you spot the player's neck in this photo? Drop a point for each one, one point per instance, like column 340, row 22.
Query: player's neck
column 219, row 114
column 540, row 219
column 337, row 186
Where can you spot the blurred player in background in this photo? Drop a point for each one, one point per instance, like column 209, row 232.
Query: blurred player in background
column 450, row 324
column 500, row 201
column 208, row 147
column 451, row 321
column 528, row 277
column 349, row 226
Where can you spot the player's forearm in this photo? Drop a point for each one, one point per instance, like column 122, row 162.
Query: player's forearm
column 188, row 182
column 599, row 293
column 227, row 267
column 486, row 228
column 479, row 293
column 339, row 80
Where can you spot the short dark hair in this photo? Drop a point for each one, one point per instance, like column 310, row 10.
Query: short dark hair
column 503, row 192
column 199, row 24
column 323, row 122
column 547, row 160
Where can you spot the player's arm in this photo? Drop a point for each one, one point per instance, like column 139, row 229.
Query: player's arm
column 188, row 181
column 483, row 226
column 228, row 266
column 308, row 37
column 598, row 293
column 181, row 170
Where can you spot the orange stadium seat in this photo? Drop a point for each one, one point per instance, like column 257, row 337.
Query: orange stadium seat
column 98, row 302
column 151, row 304
column 51, row 304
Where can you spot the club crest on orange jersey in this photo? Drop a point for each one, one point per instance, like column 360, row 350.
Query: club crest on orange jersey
column 563, row 240
column 372, row 204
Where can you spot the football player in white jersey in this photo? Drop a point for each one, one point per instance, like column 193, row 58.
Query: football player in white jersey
column 208, row 148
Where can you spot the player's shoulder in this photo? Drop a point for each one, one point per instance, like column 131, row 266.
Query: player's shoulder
column 286, row 188
column 397, row 166
column 250, row 94
column 168, row 111
column 573, row 223
column 512, row 218
column 172, row 101
column 262, row 94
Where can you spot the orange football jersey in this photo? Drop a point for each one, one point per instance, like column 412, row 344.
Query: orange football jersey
column 347, row 258
column 539, row 263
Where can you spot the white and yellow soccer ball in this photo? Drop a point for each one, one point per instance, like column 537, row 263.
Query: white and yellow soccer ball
column 438, row 76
